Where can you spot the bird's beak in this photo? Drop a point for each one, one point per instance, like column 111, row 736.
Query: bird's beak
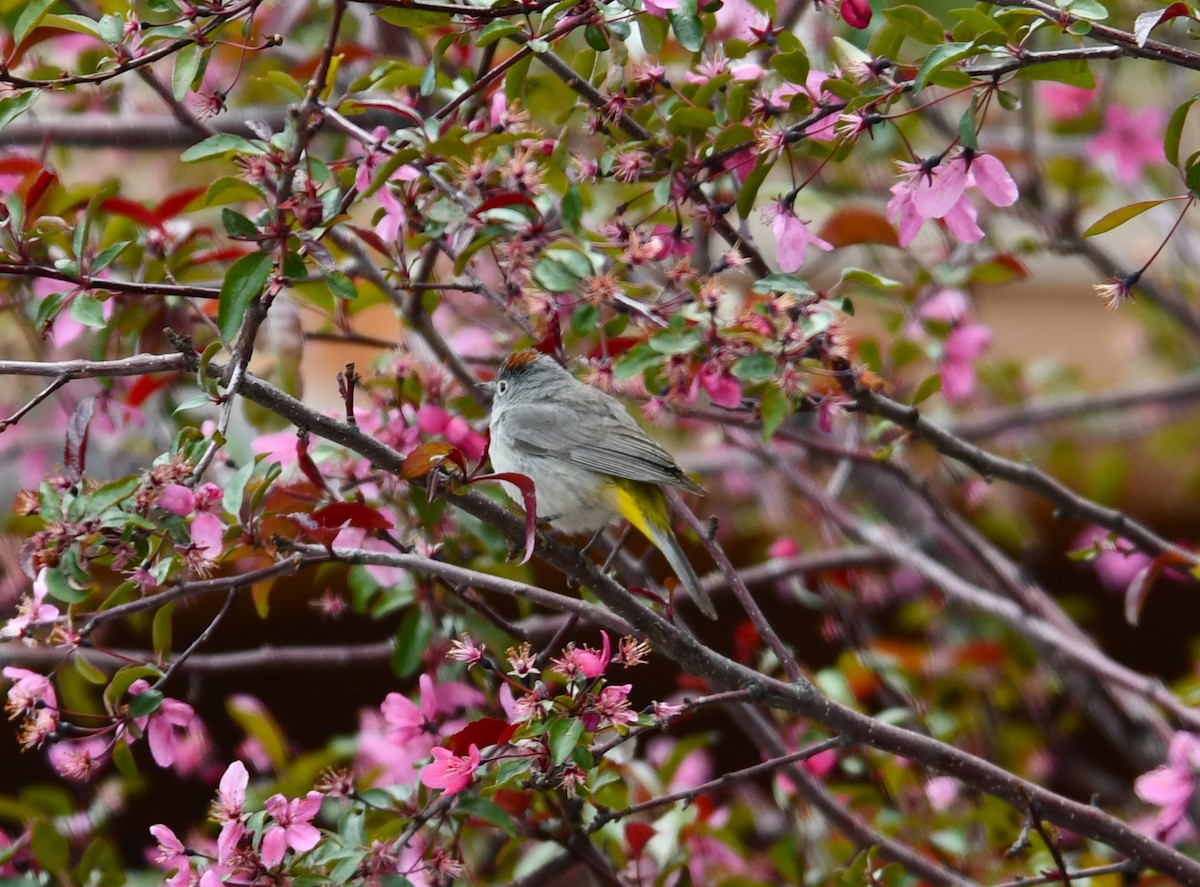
column 488, row 389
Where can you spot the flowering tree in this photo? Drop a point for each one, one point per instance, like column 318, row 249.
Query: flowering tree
column 768, row 227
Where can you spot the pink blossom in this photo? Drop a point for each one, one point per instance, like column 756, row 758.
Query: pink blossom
column 723, row 389
column 208, row 535
column 78, row 759
column 1064, row 102
column 747, row 71
column 229, row 807
column 178, row 499
column 172, row 855
column 792, row 237
column 394, row 217
column 947, row 305
column 1172, row 785
column 1129, row 142
column 593, row 662
column 357, row 537
column 902, row 212
column 856, row 13
column 31, row 609
column 660, row 8
column 989, row 175
column 435, row 421
column 29, row 692
column 941, row 791
column 784, row 546
column 293, row 827
column 164, row 726
column 737, row 20
column 1118, row 561
column 962, row 348
column 448, row 771
column 278, row 447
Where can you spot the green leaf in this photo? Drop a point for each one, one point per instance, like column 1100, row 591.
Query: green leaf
column 187, row 66
column 685, row 22
column 495, row 31
column 489, row 811
column 106, row 256
column 243, row 282
column 783, row 283
column 145, row 703
column 1073, row 72
column 12, row 108
column 755, row 367
column 238, row 226
column 654, row 32
column 870, row 278
column 112, row 493
column 87, row 310
column 596, row 37
column 1175, row 130
column 583, row 321
column 572, row 208
column 341, row 286
column 915, row 22
column 49, row 845
column 636, row 361
column 564, row 736
column 60, row 588
column 411, row 640
column 683, row 341
column 938, row 58
column 929, row 386
column 976, row 24
column 686, row 117
column 749, row 190
column 429, row 79
column 215, row 146
column 792, row 66
column 31, row 16
column 88, row 671
column 160, row 632
column 1120, row 216
column 554, row 276
column 773, row 405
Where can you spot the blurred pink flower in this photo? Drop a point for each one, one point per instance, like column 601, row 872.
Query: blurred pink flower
column 448, row 771
column 737, row 20
column 164, row 728
column 1118, row 561
column 723, row 389
column 1171, row 787
column 1062, row 101
column 941, row 791
column 660, row 8
column 1129, row 142
column 962, row 348
column 435, row 421
column 229, row 807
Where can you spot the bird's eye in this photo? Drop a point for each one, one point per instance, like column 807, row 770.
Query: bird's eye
column 501, row 387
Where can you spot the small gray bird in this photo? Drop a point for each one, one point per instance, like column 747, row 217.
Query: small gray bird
column 589, row 461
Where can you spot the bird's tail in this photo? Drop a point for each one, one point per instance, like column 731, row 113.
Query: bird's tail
column 683, row 569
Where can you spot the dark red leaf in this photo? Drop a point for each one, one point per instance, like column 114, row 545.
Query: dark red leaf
column 307, row 466
column 481, row 734
column 551, row 341
column 855, row 224
column 217, row 255
column 424, row 458
column 173, row 204
column 18, row 165
column 1148, row 21
column 529, row 500
column 131, row 209
column 614, row 348
column 637, row 836
column 856, row 13
column 145, row 386
column 508, row 198
column 351, row 514
column 41, row 184
column 371, row 239
column 746, row 642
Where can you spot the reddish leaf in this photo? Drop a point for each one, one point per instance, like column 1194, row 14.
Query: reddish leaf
column 1148, row 21
column 307, row 466
column 692, row 682
column 481, row 734
column 371, row 239
column 131, row 209
column 507, row 198
column 145, row 386
column 18, row 165
column 173, row 204
column 75, row 447
column 216, row 255
column 41, row 184
column 637, row 836
column 746, row 642
column 424, row 458
column 551, row 341
column 529, row 500
column 614, row 348
column 850, row 225
column 351, row 514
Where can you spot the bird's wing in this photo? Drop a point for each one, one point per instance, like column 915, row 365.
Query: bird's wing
column 607, row 446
